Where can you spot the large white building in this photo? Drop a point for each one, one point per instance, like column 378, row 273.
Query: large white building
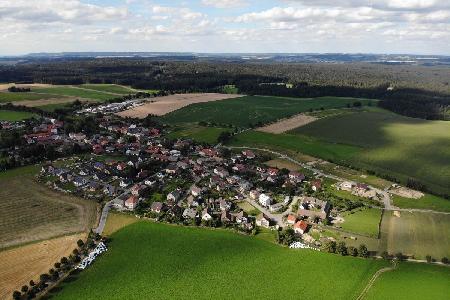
column 265, row 200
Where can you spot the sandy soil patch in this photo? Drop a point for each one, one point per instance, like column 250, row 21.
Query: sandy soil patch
column 5, row 86
column 20, row 265
column 164, row 105
column 407, row 193
column 288, row 124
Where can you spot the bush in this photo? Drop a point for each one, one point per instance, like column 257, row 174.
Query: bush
column 444, row 260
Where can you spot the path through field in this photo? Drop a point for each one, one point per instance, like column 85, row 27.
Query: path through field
column 374, row 278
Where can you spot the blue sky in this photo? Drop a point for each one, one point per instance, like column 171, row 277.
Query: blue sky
column 298, row 26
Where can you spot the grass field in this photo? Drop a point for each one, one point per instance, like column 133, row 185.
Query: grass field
column 364, row 221
column 21, row 264
column 412, row 281
column 416, row 233
column 30, row 211
column 426, row 202
column 198, row 133
column 9, row 115
column 75, row 92
column 156, row 261
column 252, row 110
column 109, row 88
column 13, row 97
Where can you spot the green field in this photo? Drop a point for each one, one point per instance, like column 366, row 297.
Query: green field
column 416, row 233
column 12, row 97
column 426, row 202
column 200, row 134
column 109, row 88
column 363, row 221
column 412, row 281
column 156, row 261
column 252, row 110
column 9, row 115
column 75, row 92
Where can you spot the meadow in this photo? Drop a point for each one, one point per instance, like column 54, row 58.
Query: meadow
column 412, row 281
column 426, row 202
column 363, row 221
column 31, row 211
column 109, row 88
column 13, row 97
column 416, row 233
column 249, row 111
column 9, row 115
column 157, row 261
column 75, row 92
column 198, row 133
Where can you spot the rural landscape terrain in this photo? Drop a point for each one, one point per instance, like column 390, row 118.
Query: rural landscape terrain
column 233, row 149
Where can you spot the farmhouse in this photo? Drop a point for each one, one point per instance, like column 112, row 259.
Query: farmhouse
column 291, row 219
column 313, row 208
column 264, row 200
column 157, row 207
column 132, row 202
column 300, row 227
column 263, row 221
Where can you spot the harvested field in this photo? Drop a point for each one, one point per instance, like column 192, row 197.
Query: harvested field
column 5, row 86
column 288, row 124
column 20, row 265
column 167, row 104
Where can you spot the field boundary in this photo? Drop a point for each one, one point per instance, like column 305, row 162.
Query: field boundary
column 374, row 278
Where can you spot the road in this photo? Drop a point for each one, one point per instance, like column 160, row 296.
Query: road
column 386, row 199
column 105, row 212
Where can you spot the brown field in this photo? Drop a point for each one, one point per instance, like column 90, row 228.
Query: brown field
column 20, row 265
column 288, row 124
column 167, row 104
column 5, row 86
column 117, row 221
column 42, row 102
column 31, row 211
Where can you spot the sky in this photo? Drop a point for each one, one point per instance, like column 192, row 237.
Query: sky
column 226, row 26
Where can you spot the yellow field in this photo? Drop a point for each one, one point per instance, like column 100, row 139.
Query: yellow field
column 117, row 221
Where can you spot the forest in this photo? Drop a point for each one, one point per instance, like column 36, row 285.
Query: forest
column 416, row 91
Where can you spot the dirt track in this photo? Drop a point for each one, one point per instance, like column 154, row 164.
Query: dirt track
column 164, row 105
column 287, row 124
column 20, row 265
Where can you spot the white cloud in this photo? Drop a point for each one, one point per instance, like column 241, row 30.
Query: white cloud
column 224, row 3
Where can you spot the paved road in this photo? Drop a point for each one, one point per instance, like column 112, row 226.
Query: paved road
column 278, row 218
column 105, row 211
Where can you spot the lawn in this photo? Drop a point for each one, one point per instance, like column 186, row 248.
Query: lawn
column 416, row 233
column 412, row 281
column 30, row 211
column 252, row 110
column 13, row 97
column 198, row 133
column 9, row 115
column 426, row 202
column 390, row 145
column 156, row 261
column 75, row 92
column 364, row 221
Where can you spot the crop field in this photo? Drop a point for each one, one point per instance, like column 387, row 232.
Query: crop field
column 30, row 211
column 200, row 134
column 288, row 124
column 15, row 97
column 21, row 264
column 412, row 281
column 416, row 233
column 390, row 145
column 75, row 92
column 254, row 110
column 172, row 262
column 425, row 202
column 9, row 115
column 363, row 221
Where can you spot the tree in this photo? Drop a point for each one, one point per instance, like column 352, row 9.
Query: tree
column 24, row 288
column 80, row 243
column 352, row 251
column 342, row 249
column 44, row 278
column 428, row 258
column 385, row 255
column 362, row 250
column 399, row 256
column 16, row 295
column 329, row 246
column 444, row 260
column 32, row 283
column 224, row 137
column 57, row 265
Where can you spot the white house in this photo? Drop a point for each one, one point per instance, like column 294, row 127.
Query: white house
column 264, row 200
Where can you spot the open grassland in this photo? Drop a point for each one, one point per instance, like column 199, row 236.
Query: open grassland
column 110, row 88
column 75, row 92
column 411, row 281
column 254, row 110
column 30, row 211
column 156, row 261
column 19, row 265
column 18, row 97
column 364, row 221
column 9, row 115
column 391, row 144
column 425, row 202
column 416, row 233
column 198, row 133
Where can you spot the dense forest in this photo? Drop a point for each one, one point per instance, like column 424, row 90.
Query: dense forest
column 416, row 91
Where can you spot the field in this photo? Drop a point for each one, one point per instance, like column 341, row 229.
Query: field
column 75, row 92
column 30, row 211
column 416, row 233
column 19, row 265
column 9, row 115
column 363, row 221
column 425, row 202
column 117, row 221
column 288, row 124
column 19, row 97
column 109, row 88
column 156, row 261
column 161, row 106
column 253, row 110
column 198, row 133
column 412, row 281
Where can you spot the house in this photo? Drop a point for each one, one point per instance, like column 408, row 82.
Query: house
column 316, row 185
column 121, row 166
column 131, row 202
column 109, row 190
column 346, row 186
column 174, row 196
column 296, row 176
column 240, row 217
column 124, row 183
column 273, row 171
column 171, row 169
column 300, row 227
column 276, row 207
column 224, row 205
column 264, row 200
column 226, row 217
column 138, row 189
column 291, row 219
column 248, row 154
column 157, row 207
column 221, row 172
column 254, row 194
column 313, row 208
column 189, row 213
column 196, row 191
column 239, row 168
column 79, row 181
column 263, row 221
column 206, row 214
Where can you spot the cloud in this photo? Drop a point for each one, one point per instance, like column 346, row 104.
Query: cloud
column 224, row 3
